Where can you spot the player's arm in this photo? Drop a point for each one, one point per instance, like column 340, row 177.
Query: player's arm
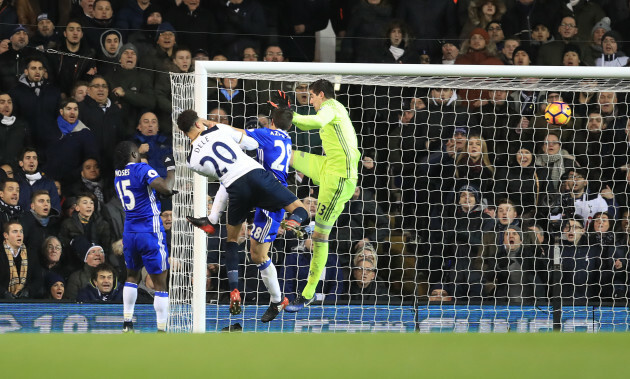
column 239, row 136
column 317, row 121
column 165, row 186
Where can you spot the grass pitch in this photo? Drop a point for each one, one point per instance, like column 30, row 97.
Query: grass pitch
column 262, row 355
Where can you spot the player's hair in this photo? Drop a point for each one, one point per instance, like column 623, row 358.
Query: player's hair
column 8, row 224
column 27, row 149
column 39, row 193
column 122, row 153
column 325, row 86
column 186, row 120
column 103, row 267
column 282, row 118
column 7, row 180
column 67, row 101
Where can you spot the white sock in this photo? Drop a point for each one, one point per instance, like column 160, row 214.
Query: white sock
column 218, row 205
column 130, row 294
column 270, row 278
column 160, row 304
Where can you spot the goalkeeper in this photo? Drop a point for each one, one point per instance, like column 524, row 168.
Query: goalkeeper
column 335, row 172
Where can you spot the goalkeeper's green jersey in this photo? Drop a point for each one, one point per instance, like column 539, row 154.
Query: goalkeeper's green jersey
column 339, row 140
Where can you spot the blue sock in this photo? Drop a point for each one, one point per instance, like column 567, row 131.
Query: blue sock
column 299, row 214
column 231, row 264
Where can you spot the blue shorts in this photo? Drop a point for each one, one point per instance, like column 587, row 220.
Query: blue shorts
column 256, row 189
column 266, row 225
column 146, row 249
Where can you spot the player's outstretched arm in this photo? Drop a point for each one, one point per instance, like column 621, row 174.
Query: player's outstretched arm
column 317, row 121
column 239, row 136
column 165, row 186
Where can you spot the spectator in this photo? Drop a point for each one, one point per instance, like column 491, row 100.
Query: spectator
column 75, row 62
column 79, row 90
column 152, row 144
column 450, row 51
column 75, row 145
column 8, row 19
column 576, row 265
column 518, row 17
column 102, row 20
column 108, row 54
column 104, row 118
column 258, row 91
column 13, row 61
column 610, row 109
column 478, row 49
column 132, row 89
column 593, row 146
column 557, row 162
column 198, row 26
column 51, row 257
column 31, row 180
column 586, row 13
column 167, row 220
column 551, row 53
column 539, row 35
column 36, row 101
column 9, row 199
column 200, row 55
column 366, row 28
column 365, row 288
column 473, row 167
column 481, row 13
column 46, row 36
column 603, row 251
column 231, row 98
column 55, row 286
column 87, row 226
column 94, row 183
column 103, row 288
column 431, row 20
column 571, row 55
column 250, row 54
column 495, row 31
column 611, row 55
column 586, row 202
column 144, row 38
column 602, row 27
column 306, row 17
column 84, row 11
column 80, row 278
column 13, row 131
column 19, row 271
column 131, row 15
column 507, row 50
column 398, row 45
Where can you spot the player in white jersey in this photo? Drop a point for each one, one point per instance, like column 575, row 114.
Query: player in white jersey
column 215, row 152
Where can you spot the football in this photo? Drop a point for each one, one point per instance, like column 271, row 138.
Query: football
column 558, row 113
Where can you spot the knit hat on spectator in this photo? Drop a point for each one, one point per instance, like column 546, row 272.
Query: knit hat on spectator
column 453, row 42
column 129, row 46
column 461, row 130
column 573, row 47
column 17, row 29
column 42, row 17
column 604, row 23
column 517, row 229
column 164, row 27
column 52, row 278
column 614, row 35
column 524, row 49
column 529, row 146
column 82, row 247
column 472, row 189
column 481, row 32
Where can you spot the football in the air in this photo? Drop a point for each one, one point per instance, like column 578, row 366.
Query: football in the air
column 558, row 113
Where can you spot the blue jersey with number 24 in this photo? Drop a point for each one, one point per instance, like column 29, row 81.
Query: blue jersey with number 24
column 142, row 208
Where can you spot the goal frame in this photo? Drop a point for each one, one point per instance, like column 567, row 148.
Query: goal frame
column 206, row 69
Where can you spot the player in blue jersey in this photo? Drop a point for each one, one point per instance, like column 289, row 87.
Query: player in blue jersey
column 274, row 154
column 144, row 238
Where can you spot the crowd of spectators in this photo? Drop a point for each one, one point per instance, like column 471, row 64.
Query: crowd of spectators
column 463, row 194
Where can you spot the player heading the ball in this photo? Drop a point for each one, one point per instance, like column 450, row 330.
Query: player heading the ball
column 215, row 152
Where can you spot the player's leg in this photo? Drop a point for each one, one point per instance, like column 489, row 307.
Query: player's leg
column 219, row 204
column 155, row 260
column 308, row 164
column 231, row 266
column 333, row 195
column 265, row 231
column 133, row 261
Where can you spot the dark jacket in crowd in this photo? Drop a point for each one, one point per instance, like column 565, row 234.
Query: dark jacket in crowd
column 12, row 64
column 242, row 25
column 91, row 294
column 13, row 138
column 33, row 288
column 366, row 32
column 197, row 29
column 96, row 231
column 159, row 147
column 429, row 21
column 44, row 183
column 375, row 293
column 38, row 104
column 37, row 229
column 577, row 268
column 68, row 69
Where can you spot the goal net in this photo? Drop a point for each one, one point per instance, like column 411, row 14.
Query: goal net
column 472, row 212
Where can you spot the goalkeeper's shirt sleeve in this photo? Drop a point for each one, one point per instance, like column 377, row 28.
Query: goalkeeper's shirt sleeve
column 318, row 121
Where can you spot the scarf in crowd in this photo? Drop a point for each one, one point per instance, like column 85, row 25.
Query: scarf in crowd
column 11, row 210
column 96, row 188
column 555, row 164
column 7, row 120
column 65, row 126
column 16, row 281
column 397, row 52
column 42, row 220
column 32, row 178
column 37, row 86
column 474, row 168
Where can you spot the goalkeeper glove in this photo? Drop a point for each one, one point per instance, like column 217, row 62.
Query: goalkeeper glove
column 279, row 99
column 169, row 162
column 202, row 223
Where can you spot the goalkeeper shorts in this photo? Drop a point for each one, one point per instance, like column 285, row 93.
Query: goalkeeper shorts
column 334, row 191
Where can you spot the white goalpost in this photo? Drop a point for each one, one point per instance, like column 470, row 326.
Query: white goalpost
column 409, row 248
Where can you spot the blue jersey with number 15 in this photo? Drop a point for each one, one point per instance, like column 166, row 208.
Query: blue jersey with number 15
column 142, row 208
column 274, row 151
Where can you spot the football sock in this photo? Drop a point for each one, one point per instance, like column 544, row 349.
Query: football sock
column 231, row 264
column 299, row 214
column 130, row 294
column 318, row 263
column 270, row 278
column 160, row 304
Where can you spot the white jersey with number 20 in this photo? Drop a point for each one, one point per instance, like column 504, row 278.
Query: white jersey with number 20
column 216, row 153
